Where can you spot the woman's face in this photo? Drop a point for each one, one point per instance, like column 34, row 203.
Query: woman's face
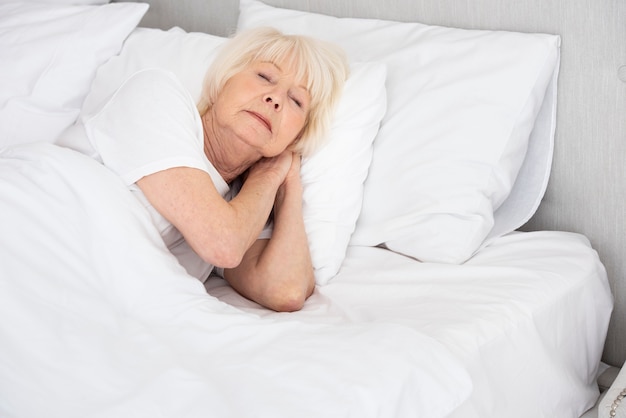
column 264, row 107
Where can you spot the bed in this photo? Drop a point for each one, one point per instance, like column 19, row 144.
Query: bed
column 433, row 298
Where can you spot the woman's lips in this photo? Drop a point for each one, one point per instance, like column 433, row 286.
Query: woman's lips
column 261, row 119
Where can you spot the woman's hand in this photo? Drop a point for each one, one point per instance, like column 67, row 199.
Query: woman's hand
column 275, row 168
column 292, row 183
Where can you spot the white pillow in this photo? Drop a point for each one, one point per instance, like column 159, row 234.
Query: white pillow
column 461, row 107
column 188, row 55
column 48, row 57
column 332, row 179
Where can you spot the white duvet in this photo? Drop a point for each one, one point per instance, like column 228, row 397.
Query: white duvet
column 99, row 320
column 527, row 317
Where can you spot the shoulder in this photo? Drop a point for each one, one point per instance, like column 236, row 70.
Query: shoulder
column 149, row 124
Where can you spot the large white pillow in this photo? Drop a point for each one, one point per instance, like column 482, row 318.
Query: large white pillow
column 461, row 107
column 332, row 179
column 48, row 57
column 187, row 55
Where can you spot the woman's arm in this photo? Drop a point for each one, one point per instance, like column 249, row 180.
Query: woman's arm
column 277, row 273
column 220, row 232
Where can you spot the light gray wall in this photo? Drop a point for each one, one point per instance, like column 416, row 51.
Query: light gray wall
column 587, row 190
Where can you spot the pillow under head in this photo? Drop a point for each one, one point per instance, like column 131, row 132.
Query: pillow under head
column 463, row 106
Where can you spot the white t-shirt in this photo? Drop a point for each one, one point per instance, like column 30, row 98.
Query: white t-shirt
column 148, row 125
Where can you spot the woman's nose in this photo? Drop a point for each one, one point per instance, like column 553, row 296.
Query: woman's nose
column 272, row 101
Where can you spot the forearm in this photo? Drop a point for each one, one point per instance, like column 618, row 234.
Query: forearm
column 286, row 258
column 289, row 242
column 219, row 231
column 252, row 205
column 250, row 210
column 278, row 272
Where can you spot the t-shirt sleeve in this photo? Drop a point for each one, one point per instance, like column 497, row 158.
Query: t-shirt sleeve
column 149, row 124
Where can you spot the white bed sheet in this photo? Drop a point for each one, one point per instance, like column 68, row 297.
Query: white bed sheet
column 99, row 320
column 527, row 316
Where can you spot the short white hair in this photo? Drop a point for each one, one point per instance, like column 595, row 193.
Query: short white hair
column 322, row 66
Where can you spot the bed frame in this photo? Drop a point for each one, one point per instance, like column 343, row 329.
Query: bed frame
column 587, row 189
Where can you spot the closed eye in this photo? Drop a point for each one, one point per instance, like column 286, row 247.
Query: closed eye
column 296, row 101
column 264, row 76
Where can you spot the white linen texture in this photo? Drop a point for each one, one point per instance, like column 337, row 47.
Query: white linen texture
column 462, row 106
column 508, row 299
column 49, row 54
column 332, row 179
column 106, row 323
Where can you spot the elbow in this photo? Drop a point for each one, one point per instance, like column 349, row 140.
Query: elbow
column 287, row 302
column 229, row 260
column 288, row 297
column 225, row 256
column 271, row 284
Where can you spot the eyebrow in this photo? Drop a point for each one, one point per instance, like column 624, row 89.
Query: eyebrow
column 273, row 63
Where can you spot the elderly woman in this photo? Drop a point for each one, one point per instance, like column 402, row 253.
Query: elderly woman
column 266, row 100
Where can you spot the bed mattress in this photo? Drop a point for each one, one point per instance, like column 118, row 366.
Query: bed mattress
column 526, row 316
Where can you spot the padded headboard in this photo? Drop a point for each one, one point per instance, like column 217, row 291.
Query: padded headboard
column 587, row 189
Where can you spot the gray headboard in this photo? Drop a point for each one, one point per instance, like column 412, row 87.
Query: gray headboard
column 587, row 190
